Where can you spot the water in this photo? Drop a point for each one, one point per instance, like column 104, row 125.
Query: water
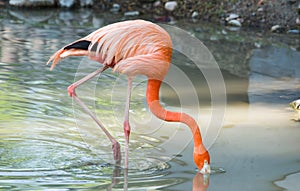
column 47, row 142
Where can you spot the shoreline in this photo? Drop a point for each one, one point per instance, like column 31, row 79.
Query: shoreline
column 278, row 16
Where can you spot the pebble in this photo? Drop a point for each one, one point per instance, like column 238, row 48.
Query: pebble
column 131, row 13
column 214, row 38
column 170, row 5
column 115, row 8
column 232, row 16
column 224, row 32
column 277, row 28
column 156, row 3
column 257, row 44
column 294, row 31
column 260, row 9
column 195, row 14
column 234, row 22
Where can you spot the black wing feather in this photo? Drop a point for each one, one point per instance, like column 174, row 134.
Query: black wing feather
column 82, row 45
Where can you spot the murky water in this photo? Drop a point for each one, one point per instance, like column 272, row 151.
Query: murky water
column 47, row 142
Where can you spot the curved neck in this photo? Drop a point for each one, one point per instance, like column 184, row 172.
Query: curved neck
column 160, row 112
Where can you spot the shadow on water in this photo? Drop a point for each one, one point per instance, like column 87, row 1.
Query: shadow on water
column 46, row 142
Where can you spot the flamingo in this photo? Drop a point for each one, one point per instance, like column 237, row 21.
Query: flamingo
column 135, row 47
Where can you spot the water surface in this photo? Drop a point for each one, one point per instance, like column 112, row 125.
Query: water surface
column 47, row 142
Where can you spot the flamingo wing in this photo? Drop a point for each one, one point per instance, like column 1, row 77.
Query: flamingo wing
column 130, row 47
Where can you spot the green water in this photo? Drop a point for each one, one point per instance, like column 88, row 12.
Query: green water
column 47, row 142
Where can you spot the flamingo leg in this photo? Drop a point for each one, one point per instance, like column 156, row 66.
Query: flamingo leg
column 72, row 87
column 126, row 121
column 72, row 93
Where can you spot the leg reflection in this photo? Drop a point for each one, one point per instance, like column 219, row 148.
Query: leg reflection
column 116, row 177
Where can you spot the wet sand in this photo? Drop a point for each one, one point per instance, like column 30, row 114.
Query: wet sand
column 290, row 182
column 257, row 149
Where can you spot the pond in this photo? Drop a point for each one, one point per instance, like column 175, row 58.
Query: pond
column 48, row 143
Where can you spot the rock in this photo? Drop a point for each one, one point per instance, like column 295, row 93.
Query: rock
column 131, row 13
column 195, row 14
column 232, row 16
column 277, row 28
column 213, row 38
column 224, row 32
column 260, row 9
column 234, row 22
column 257, row 44
column 156, row 3
column 31, row 3
column 170, row 5
column 293, row 31
column 66, row 3
column 298, row 21
column 115, row 8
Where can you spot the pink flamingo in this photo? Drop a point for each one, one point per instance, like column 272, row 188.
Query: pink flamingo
column 132, row 48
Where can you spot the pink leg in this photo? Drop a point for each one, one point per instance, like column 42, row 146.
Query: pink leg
column 72, row 87
column 72, row 93
column 126, row 121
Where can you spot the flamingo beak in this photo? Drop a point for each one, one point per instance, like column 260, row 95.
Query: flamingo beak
column 206, row 168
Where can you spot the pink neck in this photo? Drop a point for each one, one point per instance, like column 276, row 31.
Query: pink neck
column 160, row 112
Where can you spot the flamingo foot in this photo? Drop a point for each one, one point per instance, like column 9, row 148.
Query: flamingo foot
column 71, row 90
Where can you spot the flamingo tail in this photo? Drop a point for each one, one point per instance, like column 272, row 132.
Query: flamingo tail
column 78, row 48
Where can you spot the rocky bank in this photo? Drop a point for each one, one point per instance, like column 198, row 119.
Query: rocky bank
column 276, row 15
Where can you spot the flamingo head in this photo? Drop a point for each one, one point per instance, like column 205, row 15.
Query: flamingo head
column 203, row 162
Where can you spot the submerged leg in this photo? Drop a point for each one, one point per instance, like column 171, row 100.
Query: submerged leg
column 115, row 144
column 72, row 93
column 126, row 121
